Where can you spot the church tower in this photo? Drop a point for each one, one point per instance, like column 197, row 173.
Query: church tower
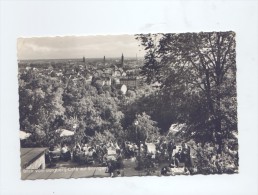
column 122, row 60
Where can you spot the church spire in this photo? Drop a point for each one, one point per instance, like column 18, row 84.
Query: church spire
column 122, row 60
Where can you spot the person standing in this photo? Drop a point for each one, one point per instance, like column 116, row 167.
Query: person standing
column 186, row 150
column 171, row 147
column 179, row 157
column 66, row 155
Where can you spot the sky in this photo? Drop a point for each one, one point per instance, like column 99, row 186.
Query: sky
column 78, row 46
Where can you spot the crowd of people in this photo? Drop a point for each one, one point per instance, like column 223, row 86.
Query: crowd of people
column 103, row 154
column 56, row 153
column 164, row 152
column 111, row 154
column 177, row 156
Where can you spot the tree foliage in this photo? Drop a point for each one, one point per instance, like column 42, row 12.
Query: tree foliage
column 197, row 70
column 40, row 107
column 143, row 129
column 48, row 103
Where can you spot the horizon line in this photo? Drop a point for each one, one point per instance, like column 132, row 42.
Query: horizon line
column 77, row 58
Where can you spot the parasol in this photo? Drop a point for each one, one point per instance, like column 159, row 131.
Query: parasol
column 24, row 135
column 65, row 132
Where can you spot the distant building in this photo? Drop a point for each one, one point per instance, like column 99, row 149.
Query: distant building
column 98, row 81
column 114, row 67
column 122, row 60
column 129, row 82
column 81, row 67
column 123, row 74
column 116, row 73
column 107, row 81
column 97, row 73
column 107, row 71
column 103, row 81
column 88, row 78
column 116, row 81
column 120, row 63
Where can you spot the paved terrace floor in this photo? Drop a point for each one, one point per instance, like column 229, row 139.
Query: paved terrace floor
column 62, row 170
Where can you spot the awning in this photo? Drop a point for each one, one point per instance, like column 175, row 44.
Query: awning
column 65, row 133
column 24, row 135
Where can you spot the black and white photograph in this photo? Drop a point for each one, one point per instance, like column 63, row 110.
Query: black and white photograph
column 152, row 104
column 128, row 97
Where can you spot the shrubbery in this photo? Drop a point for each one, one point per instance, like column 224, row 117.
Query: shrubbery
column 208, row 161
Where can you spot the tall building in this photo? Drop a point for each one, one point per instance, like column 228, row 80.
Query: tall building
column 104, row 60
column 122, row 60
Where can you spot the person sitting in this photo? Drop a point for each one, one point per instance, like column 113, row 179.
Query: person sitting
column 77, row 145
column 64, row 149
column 186, row 149
column 164, row 145
column 49, row 155
column 166, row 171
column 85, row 147
column 89, row 155
column 119, row 160
column 171, row 147
column 135, row 150
column 131, row 150
column 179, row 158
column 76, row 153
column 187, row 156
column 65, row 153
column 100, row 154
column 186, row 171
column 90, row 152
column 111, row 168
column 105, row 159
column 173, row 163
column 118, row 173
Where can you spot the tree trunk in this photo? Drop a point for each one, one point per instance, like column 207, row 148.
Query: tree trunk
column 218, row 134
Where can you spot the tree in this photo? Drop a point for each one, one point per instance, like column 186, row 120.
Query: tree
column 203, row 66
column 94, row 112
column 143, row 129
column 151, row 67
column 49, row 103
column 40, row 106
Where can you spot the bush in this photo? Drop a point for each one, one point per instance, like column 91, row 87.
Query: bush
column 208, row 161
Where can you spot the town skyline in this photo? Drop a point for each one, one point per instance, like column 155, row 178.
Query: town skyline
column 76, row 47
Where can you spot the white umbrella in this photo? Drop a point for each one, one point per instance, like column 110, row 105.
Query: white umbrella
column 174, row 128
column 151, row 148
column 24, row 135
column 235, row 134
column 65, row 133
